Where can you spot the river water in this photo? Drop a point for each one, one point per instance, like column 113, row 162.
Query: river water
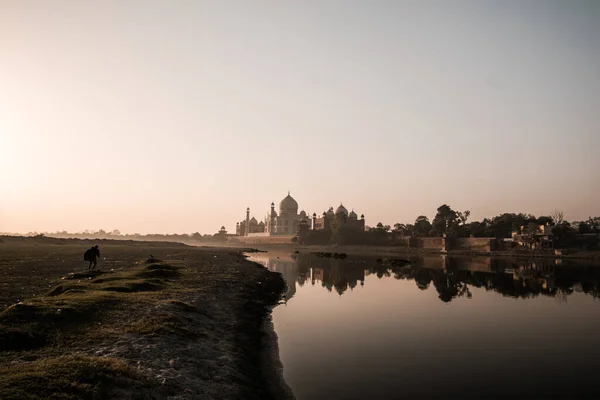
column 440, row 328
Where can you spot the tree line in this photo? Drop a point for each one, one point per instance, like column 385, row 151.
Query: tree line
column 115, row 234
column 529, row 279
column 452, row 223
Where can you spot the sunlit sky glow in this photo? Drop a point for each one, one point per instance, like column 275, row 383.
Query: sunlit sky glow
column 155, row 116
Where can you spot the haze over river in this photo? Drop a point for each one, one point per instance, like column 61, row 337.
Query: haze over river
column 450, row 328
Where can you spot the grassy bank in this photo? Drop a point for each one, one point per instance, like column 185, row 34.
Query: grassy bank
column 186, row 324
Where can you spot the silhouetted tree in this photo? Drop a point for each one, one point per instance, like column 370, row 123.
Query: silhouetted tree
column 544, row 220
column 398, row 227
column 382, row 228
column 446, row 221
column 404, row 229
column 478, row 229
column 564, row 235
column 503, row 225
column 463, row 216
column 422, row 226
column 558, row 217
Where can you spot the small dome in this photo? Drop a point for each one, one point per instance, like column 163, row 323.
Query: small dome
column 288, row 205
column 330, row 212
column 303, row 214
column 222, row 228
column 341, row 210
column 353, row 215
column 362, row 216
column 253, row 220
column 315, row 215
column 261, row 223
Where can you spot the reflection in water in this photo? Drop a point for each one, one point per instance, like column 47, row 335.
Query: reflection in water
column 442, row 327
column 286, row 266
column 451, row 277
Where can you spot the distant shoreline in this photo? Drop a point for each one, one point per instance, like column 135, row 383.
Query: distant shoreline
column 391, row 250
column 570, row 254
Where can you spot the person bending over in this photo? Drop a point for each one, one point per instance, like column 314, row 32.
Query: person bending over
column 92, row 255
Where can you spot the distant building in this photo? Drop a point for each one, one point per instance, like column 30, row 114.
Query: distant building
column 252, row 223
column 283, row 223
column 286, row 221
column 534, row 236
column 340, row 216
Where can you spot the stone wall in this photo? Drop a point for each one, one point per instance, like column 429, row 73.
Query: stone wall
column 471, row 244
column 446, row 244
column 427, row 243
column 401, row 241
column 259, row 239
column 484, row 245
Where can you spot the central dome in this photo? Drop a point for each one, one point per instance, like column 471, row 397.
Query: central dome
column 342, row 210
column 288, row 205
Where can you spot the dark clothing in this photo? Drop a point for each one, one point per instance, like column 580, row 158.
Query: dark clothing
column 91, row 255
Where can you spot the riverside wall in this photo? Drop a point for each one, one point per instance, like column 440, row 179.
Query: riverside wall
column 262, row 239
column 484, row 245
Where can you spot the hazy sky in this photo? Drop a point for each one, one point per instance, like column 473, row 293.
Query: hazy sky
column 157, row 116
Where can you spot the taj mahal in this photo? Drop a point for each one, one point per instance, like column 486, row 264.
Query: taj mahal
column 286, row 221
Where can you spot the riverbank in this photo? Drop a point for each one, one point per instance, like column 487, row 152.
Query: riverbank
column 389, row 251
column 189, row 323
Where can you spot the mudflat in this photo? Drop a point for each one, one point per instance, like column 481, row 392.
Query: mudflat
column 187, row 322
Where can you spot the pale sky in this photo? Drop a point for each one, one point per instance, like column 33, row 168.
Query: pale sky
column 156, row 116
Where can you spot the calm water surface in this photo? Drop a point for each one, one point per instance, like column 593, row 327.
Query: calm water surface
column 439, row 328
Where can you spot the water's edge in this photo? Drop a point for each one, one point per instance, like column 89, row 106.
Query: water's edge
column 271, row 363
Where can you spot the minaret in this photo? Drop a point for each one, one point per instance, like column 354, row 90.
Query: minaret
column 247, row 230
column 314, row 221
column 272, row 219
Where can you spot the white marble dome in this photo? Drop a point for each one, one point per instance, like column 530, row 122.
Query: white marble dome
column 342, row 210
column 288, row 205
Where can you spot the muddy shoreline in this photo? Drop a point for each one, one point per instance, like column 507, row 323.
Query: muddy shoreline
column 271, row 364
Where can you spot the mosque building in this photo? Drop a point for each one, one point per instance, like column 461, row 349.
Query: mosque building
column 349, row 220
column 286, row 221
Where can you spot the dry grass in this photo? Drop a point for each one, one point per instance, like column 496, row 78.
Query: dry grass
column 74, row 377
column 185, row 323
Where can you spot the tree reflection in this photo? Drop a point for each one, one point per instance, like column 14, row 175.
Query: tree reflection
column 451, row 278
